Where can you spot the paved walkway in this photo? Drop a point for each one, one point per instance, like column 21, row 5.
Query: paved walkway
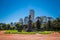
column 53, row 36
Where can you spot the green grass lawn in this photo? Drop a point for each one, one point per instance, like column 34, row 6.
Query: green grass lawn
column 45, row 32
column 23, row 32
column 16, row 32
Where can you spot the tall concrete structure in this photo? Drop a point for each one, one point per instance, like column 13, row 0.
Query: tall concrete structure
column 29, row 29
column 32, row 14
column 21, row 21
column 26, row 19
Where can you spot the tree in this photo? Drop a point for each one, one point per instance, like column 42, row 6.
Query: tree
column 43, row 23
column 0, row 26
column 3, row 26
column 38, row 23
column 12, row 26
column 49, row 23
column 56, row 24
column 19, row 27
column 8, row 26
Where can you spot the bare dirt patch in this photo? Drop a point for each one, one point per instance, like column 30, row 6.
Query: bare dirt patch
column 53, row 36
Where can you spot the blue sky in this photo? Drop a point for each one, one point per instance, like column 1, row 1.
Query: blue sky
column 13, row 10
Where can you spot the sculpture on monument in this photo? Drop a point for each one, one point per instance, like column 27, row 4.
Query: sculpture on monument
column 29, row 29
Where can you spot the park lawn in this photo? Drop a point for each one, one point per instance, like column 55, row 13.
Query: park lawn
column 45, row 32
column 16, row 32
column 24, row 32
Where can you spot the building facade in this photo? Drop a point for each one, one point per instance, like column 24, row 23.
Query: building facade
column 26, row 20
column 32, row 14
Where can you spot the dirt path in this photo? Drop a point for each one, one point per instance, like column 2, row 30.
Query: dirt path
column 53, row 36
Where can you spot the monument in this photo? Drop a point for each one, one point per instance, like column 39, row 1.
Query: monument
column 29, row 29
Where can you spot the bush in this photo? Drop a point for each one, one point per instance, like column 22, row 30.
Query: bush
column 45, row 32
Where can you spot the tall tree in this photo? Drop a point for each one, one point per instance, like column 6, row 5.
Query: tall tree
column 38, row 23
column 49, row 23
column 56, row 24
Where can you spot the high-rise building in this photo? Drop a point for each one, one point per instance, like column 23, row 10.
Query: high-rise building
column 32, row 14
column 21, row 21
column 26, row 20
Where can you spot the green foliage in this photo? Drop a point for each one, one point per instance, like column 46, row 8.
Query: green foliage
column 18, row 25
column 55, row 26
column 56, row 23
column 52, row 25
column 45, row 32
column 8, row 26
column 2, row 26
column 11, row 31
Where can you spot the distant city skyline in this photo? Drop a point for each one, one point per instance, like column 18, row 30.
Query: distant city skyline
column 13, row 10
